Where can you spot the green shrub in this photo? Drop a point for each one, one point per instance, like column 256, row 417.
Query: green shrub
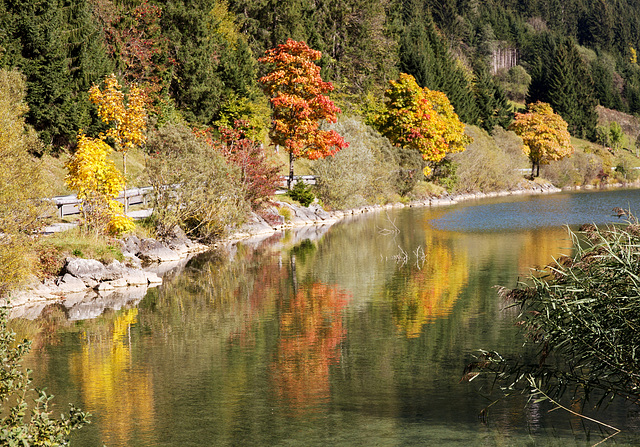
column 423, row 190
column 21, row 184
column 579, row 169
column 489, row 163
column 194, row 187
column 26, row 415
column 302, row 193
column 580, row 318
column 362, row 173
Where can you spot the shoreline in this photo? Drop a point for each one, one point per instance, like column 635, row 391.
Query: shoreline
column 86, row 287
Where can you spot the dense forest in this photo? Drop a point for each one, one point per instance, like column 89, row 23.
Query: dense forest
column 197, row 59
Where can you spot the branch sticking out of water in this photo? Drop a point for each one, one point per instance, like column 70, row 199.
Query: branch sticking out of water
column 388, row 231
column 401, row 258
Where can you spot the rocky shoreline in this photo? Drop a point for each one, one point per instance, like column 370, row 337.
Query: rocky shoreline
column 90, row 285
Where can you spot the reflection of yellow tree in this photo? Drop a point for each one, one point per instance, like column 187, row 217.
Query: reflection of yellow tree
column 115, row 391
column 310, row 333
column 420, row 295
column 541, row 247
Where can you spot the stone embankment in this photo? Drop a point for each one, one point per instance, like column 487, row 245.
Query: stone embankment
column 86, row 287
column 314, row 214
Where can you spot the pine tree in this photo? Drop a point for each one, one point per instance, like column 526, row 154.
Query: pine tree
column 492, row 103
column 212, row 64
column 425, row 56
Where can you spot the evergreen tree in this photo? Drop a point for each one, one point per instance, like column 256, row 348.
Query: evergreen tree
column 59, row 49
column 561, row 78
column 214, row 64
column 424, row 55
column 493, row 106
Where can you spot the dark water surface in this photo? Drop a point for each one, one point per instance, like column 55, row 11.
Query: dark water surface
column 356, row 335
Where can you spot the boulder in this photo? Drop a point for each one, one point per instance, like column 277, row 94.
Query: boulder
column 152, row 278
column 86, row 269
column 150, row 250
column 70, row 284
column 136, row 278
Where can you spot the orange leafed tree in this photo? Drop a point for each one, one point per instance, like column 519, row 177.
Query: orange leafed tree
column 544, row 135
column 421, row 119
column 299, row 103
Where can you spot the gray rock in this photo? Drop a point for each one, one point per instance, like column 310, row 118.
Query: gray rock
column 152, row 278
column 104, row 286
column 129, row 245
column 120, row 282
column 136, row 278
column 70, row 284
column 86, row 269
column 150, row 250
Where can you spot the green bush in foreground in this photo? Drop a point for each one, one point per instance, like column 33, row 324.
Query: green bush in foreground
column 25, row 424
column 583, row 317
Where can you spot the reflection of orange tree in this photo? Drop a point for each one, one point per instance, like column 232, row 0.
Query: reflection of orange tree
column 310, row 332
column 420, row 295
column 120, row 395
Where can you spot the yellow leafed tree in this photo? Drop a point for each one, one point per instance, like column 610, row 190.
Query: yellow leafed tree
column 98, row 182
column 544, row 135
column 126, row 114
column 421, row 119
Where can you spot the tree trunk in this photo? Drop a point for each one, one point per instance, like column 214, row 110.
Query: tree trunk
column 290, row 179
column 538, row 169
column 533, row 169
column 124, row 169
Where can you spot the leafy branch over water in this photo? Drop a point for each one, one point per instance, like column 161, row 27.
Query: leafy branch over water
column 583, row 316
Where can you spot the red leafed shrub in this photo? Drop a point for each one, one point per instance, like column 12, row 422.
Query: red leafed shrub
column 260, row 175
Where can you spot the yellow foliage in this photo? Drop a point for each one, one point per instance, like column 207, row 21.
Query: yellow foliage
column 544, row 134
column 98, row 182
column 421, row 119
column 128, row 120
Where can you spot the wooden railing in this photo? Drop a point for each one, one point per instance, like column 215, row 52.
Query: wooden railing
column 69, row 205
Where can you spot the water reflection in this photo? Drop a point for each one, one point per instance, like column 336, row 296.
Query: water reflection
column 320, row 338
column 311, row 331
column 113, row 387
column 422, row 291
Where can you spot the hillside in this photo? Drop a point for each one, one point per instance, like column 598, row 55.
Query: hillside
column 198, row 60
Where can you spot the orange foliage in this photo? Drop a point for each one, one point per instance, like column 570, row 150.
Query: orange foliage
column 310, row 332
column 299, row 104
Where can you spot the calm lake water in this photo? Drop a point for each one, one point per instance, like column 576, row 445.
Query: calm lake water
column 354, row 335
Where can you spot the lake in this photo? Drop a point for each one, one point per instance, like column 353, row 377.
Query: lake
column 353, row 335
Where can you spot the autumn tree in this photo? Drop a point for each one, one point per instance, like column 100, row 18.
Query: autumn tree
column 126, row 116
column 421, row 119
column 544, row 135
column 98, row 182
column 299, row 103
